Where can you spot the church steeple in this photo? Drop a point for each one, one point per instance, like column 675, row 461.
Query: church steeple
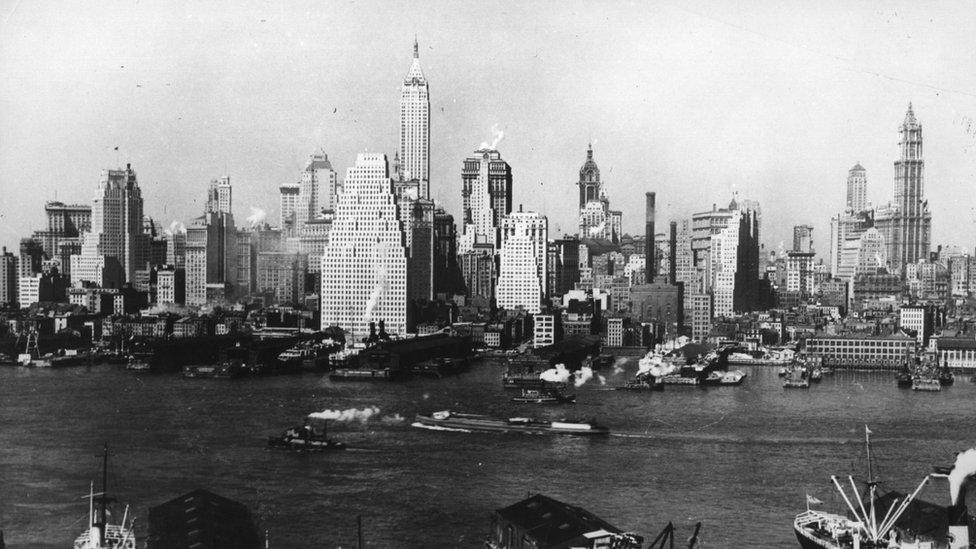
column 589, row 180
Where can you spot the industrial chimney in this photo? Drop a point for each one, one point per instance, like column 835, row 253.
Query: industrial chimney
column 649, row 247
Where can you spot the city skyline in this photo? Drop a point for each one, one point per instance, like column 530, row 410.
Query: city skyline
column 775, row 163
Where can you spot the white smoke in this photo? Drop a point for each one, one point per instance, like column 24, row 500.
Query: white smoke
column 257, row 216
column 352, row 414
column 496, row 137
column 965, row 466
column 176, row 227
column 395, row 418
column 582, row 375
column 654, row 365
column 380, row 271
column 598, row 229
column 557, row 374
column 618, row 365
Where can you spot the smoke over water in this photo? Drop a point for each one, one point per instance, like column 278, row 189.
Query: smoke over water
column 257, row 216
column 618, row 365
column 496, row 137
column 582, row 375
column 352, row 414
column 557, row 374
column 964, row 468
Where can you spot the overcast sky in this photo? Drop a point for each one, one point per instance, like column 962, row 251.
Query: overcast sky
column 693, row 100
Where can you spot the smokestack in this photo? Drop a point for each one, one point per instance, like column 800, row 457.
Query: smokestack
column 673, row 250
column 372, row 331
column 649, row 247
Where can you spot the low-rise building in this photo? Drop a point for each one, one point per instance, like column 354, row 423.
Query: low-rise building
column 861, row 351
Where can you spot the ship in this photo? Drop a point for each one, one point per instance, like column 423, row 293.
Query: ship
column 308, row 355
column 643, row 381
column 312, row 436
column 101, row 534
column 439, row 367
column 524, row 371
column 734, row 377
column 544, row 396
column 890, row 521
column 926, row 384
column 449, row 420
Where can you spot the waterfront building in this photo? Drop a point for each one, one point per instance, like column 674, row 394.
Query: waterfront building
column 803, row 239
column 861, row 351
column 958, row 353
column 596, row 219
column 541, row 522
column 702, row 312
column 116, row 246
column 364, row 268
column 906, row 222
column 913, row 317
column 414, row 150
column 486, row 196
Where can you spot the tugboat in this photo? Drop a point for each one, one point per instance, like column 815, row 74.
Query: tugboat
column 945, row 374
column 904, row 377
column 643, row 381
column 797, row 379
column 926, row 384
column 100, row 533
column 544, row 396
column 890, row 521
column 310, row 437
column 476, row 422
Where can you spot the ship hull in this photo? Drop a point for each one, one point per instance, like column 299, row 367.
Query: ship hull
column 488, row 424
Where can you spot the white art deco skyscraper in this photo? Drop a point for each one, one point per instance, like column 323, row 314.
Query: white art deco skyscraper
column 364, row 268
column 415, row 126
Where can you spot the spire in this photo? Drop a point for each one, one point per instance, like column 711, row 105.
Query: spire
column 910, row 116
column 416, row 48
column 589, row 151
column 415, row 74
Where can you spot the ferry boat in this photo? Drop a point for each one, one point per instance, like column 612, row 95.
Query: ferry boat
column 678, row 379
column 229, row 369
column 926, row 384
column 365, row 374
column 308, row 355
column 439, row 367
column 890, row 521
column 643, row 381
column 544, row 396
column 101, row 534
column 312, row 436
column 797, row 378
column 477, row 422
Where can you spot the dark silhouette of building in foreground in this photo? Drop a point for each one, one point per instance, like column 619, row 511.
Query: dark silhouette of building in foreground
column 202, row 520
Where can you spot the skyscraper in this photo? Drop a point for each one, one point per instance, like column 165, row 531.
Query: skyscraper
column 906, row 222
column 596, row 219
column 288, row 194
column 414, row 152
column 8, row 278
column 318, row 190
column 116, row 247
column 803, row 238
column 219, row 195
column 486, row 195
column 857, row 189
column 535, row 228
column 364, row 269
column 447, row 272
column 519, row 285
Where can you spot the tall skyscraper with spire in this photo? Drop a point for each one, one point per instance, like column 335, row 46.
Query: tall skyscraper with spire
column 596, row 219
column 906, row 222
column 414, row 151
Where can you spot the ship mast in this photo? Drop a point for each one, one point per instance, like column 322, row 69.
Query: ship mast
column 872, row 485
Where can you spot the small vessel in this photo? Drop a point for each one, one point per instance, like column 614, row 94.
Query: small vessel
column 816, row 374
column 783, row 371
column 926, row 384
column 945, row 374
column 735, row 377
column 100, row 533
column 439, row 367
column 798, row 378
column 309, row 355
column 364, row 374
column 69, row 357
column 678, row 379
column 643, row 381
column 477, row 422
column 310, row 437
column 904, row 377
column 544, row 396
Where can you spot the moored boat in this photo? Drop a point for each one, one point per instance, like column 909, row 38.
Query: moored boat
column 477, row 422
column 926, row 384
column 544, row 396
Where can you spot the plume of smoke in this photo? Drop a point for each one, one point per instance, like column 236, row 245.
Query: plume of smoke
column 176, row 227
column 352, row 414
column 594, row 231
column 380, row 272
column 654, row 365
column 257, row 216
column 557, row 374
column 618, row 365
column 582, row 375
column 395, row 418
column 496, row 137
column 601, row 379
column 964, row 468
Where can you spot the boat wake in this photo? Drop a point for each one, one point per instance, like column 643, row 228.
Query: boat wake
column 438, row 428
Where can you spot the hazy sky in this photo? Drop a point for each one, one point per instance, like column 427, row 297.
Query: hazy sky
column 693, row 100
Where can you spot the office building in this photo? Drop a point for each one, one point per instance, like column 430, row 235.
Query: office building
column 596, row 219
column 803, row 239
column 364, row 269
column 9, row 275
column 486, row 195
column 857, row 189
column 281, row 276
column 536, row 228
column 414, row 151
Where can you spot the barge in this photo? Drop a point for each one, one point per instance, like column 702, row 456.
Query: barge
column 477, row 422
